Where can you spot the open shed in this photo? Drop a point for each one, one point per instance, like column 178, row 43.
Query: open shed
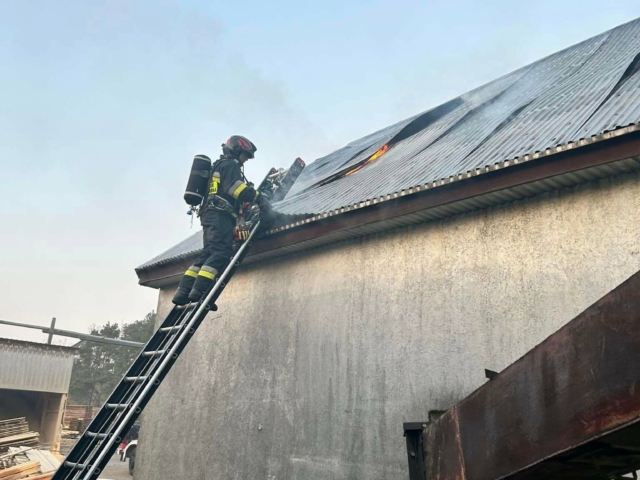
column 34, row 383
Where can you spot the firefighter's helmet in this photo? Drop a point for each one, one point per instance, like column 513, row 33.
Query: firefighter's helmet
column 237, row 144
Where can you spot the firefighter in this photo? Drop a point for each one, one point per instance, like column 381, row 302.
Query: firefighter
column 228, row 191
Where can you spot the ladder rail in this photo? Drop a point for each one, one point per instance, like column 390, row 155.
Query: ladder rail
column 92, row 451
column 202, row 308
column 147, row 364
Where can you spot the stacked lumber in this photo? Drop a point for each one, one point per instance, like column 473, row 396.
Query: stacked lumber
column 15, row 432
column 49, row 462
column 25, row 439
column 23, row 461
column 77, row 424
column 13, row 426
column 30, row 464
column 44, row 476
column 77, row 417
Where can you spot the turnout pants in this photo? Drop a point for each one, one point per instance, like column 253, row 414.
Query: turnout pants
column 217, row 239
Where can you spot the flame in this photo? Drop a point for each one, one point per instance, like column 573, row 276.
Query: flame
column 372, row 158
column 379, row 153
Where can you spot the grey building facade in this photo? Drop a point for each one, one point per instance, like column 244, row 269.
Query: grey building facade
column 413, row 258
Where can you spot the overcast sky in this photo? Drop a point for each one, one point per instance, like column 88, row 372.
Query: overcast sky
column 104, row 103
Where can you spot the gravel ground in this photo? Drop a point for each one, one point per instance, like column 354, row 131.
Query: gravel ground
column 116, row 470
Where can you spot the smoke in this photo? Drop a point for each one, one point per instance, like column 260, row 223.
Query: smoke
column 108, row 105
column 261, row 109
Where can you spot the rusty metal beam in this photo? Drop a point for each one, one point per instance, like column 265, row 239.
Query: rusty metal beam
column 569, row 408
column 591, row 155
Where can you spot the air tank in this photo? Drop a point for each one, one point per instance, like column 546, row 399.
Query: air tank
column 198, row 179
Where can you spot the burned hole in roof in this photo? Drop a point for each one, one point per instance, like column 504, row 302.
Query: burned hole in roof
column 420, row 123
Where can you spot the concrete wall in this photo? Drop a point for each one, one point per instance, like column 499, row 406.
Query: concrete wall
column 314, row 361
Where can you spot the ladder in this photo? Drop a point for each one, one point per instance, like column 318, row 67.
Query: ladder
column 101, row 439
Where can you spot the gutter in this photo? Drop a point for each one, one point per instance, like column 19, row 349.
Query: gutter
column 611, row 153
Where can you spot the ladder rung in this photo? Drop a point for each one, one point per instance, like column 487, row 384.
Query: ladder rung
column 99, row 436
column 170, row 329
column 135, row 379
column 116, row 406
column 154, row 353
column 184, row 307
column 75, row 466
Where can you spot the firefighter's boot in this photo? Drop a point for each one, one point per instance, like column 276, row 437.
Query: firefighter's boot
column 205, row 280
column 181, row 296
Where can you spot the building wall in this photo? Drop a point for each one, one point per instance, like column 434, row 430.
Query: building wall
column 315, row 360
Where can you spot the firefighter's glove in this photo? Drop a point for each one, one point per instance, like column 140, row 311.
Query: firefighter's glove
column 240, row 234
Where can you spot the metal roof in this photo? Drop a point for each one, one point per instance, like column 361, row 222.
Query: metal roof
column 35, row 366
column 580, row 92
column 184, row 248
column 576, row 93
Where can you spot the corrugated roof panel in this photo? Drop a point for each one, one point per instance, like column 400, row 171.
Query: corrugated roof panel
column 409, row 163
column 449, row 155
column 327, row 166
column 557, row 116
column 185, row 247
column 312, row 200
column 40, row 368
column 621, row 110
column 359, row 150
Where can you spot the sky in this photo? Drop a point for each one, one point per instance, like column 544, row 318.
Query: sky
column 105, row 103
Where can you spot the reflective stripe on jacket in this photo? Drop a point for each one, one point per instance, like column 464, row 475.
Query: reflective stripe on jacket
column 228, row 182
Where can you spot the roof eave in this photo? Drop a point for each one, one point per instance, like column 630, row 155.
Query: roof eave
column 44, row 346
column 499, row 183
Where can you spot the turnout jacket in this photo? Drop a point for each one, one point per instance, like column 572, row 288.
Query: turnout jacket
column 229, row 183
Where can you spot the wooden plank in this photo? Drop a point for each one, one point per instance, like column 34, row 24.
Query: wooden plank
column 48, row 463
column 13, row 431
column 19, row 476
column 30, row 443
column 14, row 428
column 17, row 469
column 16, row 439
column 45, row 476
column 13, row 420
column 18, row 454
column 51, row 458
column 20, row 471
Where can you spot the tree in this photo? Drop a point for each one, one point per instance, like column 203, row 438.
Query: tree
column 98, row 367
column 138, row 331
